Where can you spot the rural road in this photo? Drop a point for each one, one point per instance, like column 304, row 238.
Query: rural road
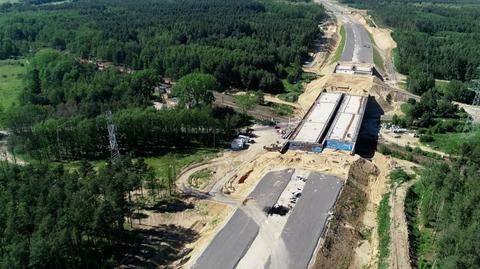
column 399, row 247
column 231, row 162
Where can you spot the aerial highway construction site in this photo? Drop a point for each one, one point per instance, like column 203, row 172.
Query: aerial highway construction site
column 303, row 197
column 283, row 203
column 279, row 225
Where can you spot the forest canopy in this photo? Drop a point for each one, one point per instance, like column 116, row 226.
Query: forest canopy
column 211, row 44
column 243, row 43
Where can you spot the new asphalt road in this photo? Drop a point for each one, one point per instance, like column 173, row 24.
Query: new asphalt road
column 233, row 241
column 304, row 227
column 308, row 220
column 358, row 46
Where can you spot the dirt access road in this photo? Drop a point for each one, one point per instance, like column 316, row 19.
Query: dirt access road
column 228, row 166
column 399, row 247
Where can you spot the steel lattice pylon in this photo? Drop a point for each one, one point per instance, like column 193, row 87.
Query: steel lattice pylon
column 114, row 152
column 469, row 126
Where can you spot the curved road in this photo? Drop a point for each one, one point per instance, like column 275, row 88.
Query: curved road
column 216, row 192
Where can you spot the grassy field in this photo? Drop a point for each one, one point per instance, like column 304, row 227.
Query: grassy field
column 402, row 85
column 160, row 164
column 395, row 57
column 283, row 109
column 448, row 143
column 421, row 238
column 441, row 85
column 179, row 159
column 341, row 45
column 75, row 165
column 377, row 59
column 11, row 81
column 406, row 108
column 201, row 178
column 384, row 231
column 398, row 176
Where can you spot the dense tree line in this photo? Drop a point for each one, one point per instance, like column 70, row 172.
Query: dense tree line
column 244, row 43
column 54, row 218
column 435, row 37
column 448, row 206
column 62, row 115
column 61, row 84
column 141, row 131
column 433, row 109
column 247, row 43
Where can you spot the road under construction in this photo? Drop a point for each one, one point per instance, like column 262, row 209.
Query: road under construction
column 293, row 236
column 253, row 237
column 334, row 119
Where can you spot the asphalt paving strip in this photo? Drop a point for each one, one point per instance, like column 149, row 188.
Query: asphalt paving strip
column 347, row 54
column 235, row 238
column 358, row 46
column 309, row 218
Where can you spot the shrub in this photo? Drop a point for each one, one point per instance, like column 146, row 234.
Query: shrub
column 426, row 139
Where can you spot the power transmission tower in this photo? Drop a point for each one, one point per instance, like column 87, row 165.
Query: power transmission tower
column 114, row 152
column 469, row 123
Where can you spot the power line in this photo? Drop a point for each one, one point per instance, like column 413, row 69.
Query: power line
column 112, row 138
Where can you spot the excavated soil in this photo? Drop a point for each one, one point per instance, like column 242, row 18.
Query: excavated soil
column 344, row 232
column 354, row 85
column 332, row 162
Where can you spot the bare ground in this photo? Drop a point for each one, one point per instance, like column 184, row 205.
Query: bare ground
column 344, row 232
column 399, row 246
column 5, row 155
column 166, row 236
column 352, row 240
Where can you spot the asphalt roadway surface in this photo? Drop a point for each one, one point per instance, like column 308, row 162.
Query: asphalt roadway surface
column 308, row 219
column 358, row 46
column 233, row 241
column 304, row 227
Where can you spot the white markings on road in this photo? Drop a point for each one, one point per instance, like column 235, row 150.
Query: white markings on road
column 269, row 243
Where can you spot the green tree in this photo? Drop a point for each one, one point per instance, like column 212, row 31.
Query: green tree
column 143, row 82
column 246, row 101
column 456, row 90
column 419, row 81
column 195, row 90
